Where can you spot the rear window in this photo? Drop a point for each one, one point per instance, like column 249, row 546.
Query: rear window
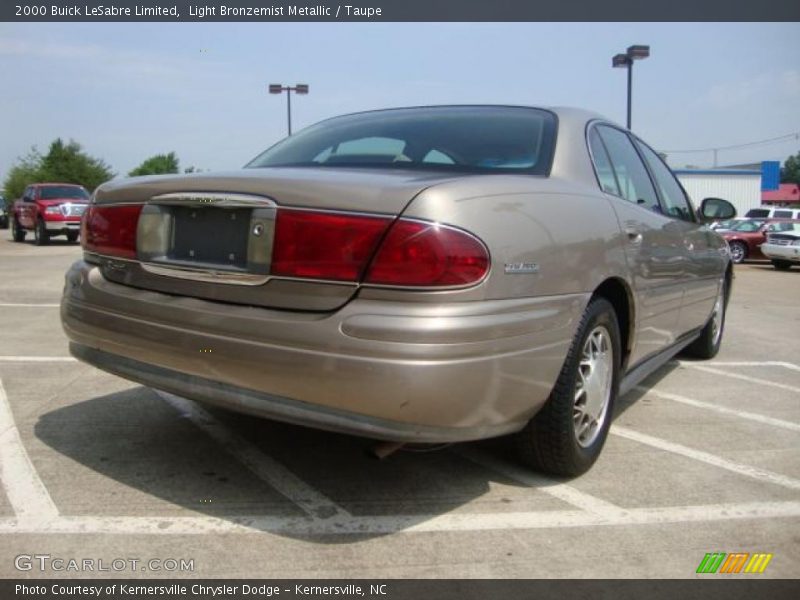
column 460, row 138
column 51, row 192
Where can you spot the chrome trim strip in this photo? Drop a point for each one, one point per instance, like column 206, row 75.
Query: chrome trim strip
column 219, row 200
column 206, row 275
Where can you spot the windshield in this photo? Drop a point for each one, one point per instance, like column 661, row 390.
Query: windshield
column 748, row 226
column 51, row 192
column 461, row 138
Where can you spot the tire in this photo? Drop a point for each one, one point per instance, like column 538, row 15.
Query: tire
column 17, row 232
column 738, row 252
column 782, row 265
column 708, row 344
column 72, row 236
column 549, row 441
column 40, row 235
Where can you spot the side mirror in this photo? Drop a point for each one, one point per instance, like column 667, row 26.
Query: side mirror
column 716, row 208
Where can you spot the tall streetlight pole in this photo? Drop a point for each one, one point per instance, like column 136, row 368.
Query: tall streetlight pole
column 626, row 60
column 277, row 88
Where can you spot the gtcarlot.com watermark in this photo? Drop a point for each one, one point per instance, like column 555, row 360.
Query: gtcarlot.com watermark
column 45, row 563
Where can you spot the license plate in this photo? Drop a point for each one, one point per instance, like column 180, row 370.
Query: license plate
column 213, row 236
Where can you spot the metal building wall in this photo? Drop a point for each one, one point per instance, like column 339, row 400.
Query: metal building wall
column 741, row 189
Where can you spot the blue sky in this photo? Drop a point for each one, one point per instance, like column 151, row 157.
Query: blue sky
column 126, row 91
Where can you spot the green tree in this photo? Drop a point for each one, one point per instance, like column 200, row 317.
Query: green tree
column 63, row 163
column 68, row 163
column 790, row 173
column 24, row 172
column 157, row 165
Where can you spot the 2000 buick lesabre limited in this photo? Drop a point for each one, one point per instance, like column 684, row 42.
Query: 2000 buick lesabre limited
column 427, row 274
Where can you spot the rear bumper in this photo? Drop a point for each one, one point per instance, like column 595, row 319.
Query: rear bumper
column 791, row 253
column 394, row 371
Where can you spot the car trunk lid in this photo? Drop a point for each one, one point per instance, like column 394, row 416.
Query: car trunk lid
column 211, row 235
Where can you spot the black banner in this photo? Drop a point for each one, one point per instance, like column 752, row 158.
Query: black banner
column 727, row 588
column 399, row 10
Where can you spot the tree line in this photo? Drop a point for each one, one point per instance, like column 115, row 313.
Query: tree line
column 67, row 162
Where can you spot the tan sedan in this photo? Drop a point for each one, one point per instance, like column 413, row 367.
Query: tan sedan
column 429, row 274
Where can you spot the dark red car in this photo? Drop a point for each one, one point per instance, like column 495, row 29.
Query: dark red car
column 745, row 237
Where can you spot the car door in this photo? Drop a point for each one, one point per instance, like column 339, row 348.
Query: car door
column 704, row 263
column 653, row 242
column 27, row 208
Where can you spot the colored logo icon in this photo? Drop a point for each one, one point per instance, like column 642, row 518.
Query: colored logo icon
column 736, row 562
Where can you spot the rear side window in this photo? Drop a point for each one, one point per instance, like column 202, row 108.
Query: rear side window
column 674, row 201
column 602, row 165
column 783, row 214
column 631, row 176
column 757, row 213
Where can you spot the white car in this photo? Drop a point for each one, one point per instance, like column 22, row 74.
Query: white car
column 783, row 248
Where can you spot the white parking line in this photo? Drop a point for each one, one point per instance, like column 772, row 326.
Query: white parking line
column 711, row 459
column 21, row 305
column 26, row 492
column 313, row 502
column 790, row 425
column 563, row 492
column 15, row 359
column 299, row 526
column 743, row 363
column 747, row 378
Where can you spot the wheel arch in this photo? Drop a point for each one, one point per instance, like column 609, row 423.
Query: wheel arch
column 620, row 295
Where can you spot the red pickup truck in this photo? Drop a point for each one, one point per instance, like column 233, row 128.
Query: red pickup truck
column 49, row 209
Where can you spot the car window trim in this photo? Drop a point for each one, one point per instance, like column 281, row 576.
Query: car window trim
column 636, row 139
column 600, row 123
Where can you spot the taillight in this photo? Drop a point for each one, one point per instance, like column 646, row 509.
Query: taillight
column 424, row 254
column 338, row 246
column 111, row 230
column 322, row 245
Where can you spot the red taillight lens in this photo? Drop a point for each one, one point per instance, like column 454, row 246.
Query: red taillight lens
column 428, row 255
column 111, row 230
column 322, row 245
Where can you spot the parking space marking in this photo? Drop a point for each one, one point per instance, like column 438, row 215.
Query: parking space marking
column 711, row 459
column 266, row 468
column 563, row 492
column 375, row 525
column 38, row 359
column 791, row 426
column 21, row 305
column 743, row 363
column 747, row 378
column 23, row 487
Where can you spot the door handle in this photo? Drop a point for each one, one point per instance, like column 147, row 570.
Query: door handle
column 634, row 237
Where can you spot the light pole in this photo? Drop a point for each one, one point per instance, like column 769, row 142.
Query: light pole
column 626, row 60
column 277, row 88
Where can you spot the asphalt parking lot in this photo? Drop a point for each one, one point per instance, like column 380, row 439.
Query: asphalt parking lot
column 703, row 457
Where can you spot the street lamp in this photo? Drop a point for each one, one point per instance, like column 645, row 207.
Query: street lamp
column 277, row 88
column 626, row 60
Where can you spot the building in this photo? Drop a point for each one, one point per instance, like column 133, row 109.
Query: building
column 787, row 194
column 741, row 187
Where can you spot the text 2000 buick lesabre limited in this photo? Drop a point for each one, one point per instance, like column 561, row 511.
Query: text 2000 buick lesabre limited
column 426, row 274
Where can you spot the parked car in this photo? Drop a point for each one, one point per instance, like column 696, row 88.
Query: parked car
column 783, row 248
column 430, row 274
column 773, row 213
column 49, row 209
column 745, row 238
column 723, row 224
column 3, row 213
